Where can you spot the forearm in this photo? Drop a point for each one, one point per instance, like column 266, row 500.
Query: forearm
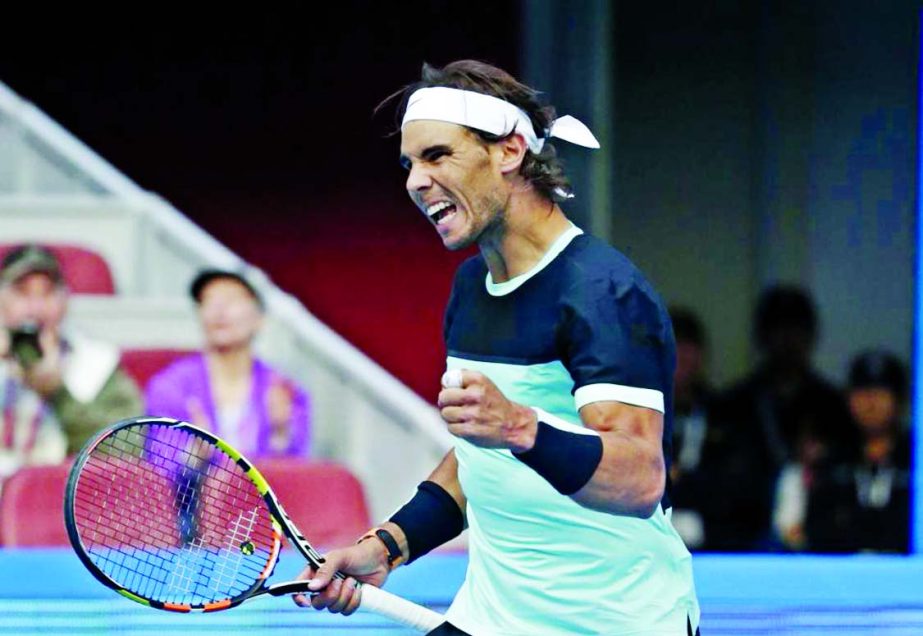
column 614, row 465
column 629, row 479
column 446, row 477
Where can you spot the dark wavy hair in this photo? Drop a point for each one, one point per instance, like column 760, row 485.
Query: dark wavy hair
column 784, row 307
column 544, row 170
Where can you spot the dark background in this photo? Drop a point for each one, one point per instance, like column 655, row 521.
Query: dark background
column 753, row 142
column 259, row 126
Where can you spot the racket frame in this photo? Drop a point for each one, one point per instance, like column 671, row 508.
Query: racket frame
column 281, row 522
column 373, row 598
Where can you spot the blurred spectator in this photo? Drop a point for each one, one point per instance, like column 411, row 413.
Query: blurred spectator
column 50, row 370
column 31, row 434
column 227, row 389
column 863, row 502
column 690, row 403
column 783, row 413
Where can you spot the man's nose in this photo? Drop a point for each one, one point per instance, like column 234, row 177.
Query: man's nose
column 214, row 309
column 418, row 179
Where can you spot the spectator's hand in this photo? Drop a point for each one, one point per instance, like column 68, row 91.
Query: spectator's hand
column 279, row 402
column 478, row 412
column 197, row 414
column 4, row 342
column 197, row 417
column 45, row 377
column 366, row 562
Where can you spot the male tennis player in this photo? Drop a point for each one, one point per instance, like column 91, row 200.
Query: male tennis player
column 559, row 390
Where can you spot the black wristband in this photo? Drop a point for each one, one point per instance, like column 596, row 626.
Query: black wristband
column 428, row 520
column 566, row 460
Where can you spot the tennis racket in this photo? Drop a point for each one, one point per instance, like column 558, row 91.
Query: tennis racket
column 172, row 517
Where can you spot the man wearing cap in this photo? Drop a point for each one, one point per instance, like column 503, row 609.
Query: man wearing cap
column 76, row 378
column 558, row 389
column 226, row 388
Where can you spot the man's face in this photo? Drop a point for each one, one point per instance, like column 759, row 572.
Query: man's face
column 873, row 408
column 788, row 347
column 454, row 179
column 229, row 313
column 34, row 298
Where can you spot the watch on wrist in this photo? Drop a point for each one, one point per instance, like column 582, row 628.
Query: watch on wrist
column 395, row 556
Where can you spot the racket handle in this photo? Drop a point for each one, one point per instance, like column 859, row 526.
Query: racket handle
column 400, row 610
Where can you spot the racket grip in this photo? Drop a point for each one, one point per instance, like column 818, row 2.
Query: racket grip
column 400, row 610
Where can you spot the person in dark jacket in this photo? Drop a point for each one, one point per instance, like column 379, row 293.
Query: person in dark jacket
column 862, row 502
column 756, row 428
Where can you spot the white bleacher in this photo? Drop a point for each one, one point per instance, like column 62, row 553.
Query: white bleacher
column 55, row 189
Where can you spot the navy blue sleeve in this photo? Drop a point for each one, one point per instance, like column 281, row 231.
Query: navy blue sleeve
column 617, row 342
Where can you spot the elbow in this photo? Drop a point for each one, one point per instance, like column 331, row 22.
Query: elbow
column 650, row 492
column 635, row 493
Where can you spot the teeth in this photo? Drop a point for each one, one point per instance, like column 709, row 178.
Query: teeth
column 436, row 208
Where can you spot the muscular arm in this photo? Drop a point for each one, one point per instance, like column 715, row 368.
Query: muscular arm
column 631, row 476
column 446, row 475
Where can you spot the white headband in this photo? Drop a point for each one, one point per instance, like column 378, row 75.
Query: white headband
column 492, row 115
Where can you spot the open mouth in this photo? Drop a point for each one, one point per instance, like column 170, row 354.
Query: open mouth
column 441, row 211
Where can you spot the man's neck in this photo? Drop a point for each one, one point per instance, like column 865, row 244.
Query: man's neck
column 227, row 364
column 527, row 230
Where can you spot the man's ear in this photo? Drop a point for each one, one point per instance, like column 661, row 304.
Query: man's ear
column 512, row 151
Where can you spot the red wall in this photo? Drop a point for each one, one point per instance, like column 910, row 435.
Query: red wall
column 368, row 264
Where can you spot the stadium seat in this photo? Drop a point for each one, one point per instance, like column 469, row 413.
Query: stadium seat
column 32, row 507
column 325, row 500
column 143, row 364
column 85, row 270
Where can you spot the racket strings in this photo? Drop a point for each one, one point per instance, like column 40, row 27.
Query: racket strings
column 226, row 572
column 170, row 517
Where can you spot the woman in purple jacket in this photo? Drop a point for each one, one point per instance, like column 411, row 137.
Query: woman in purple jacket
column 226, row 389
